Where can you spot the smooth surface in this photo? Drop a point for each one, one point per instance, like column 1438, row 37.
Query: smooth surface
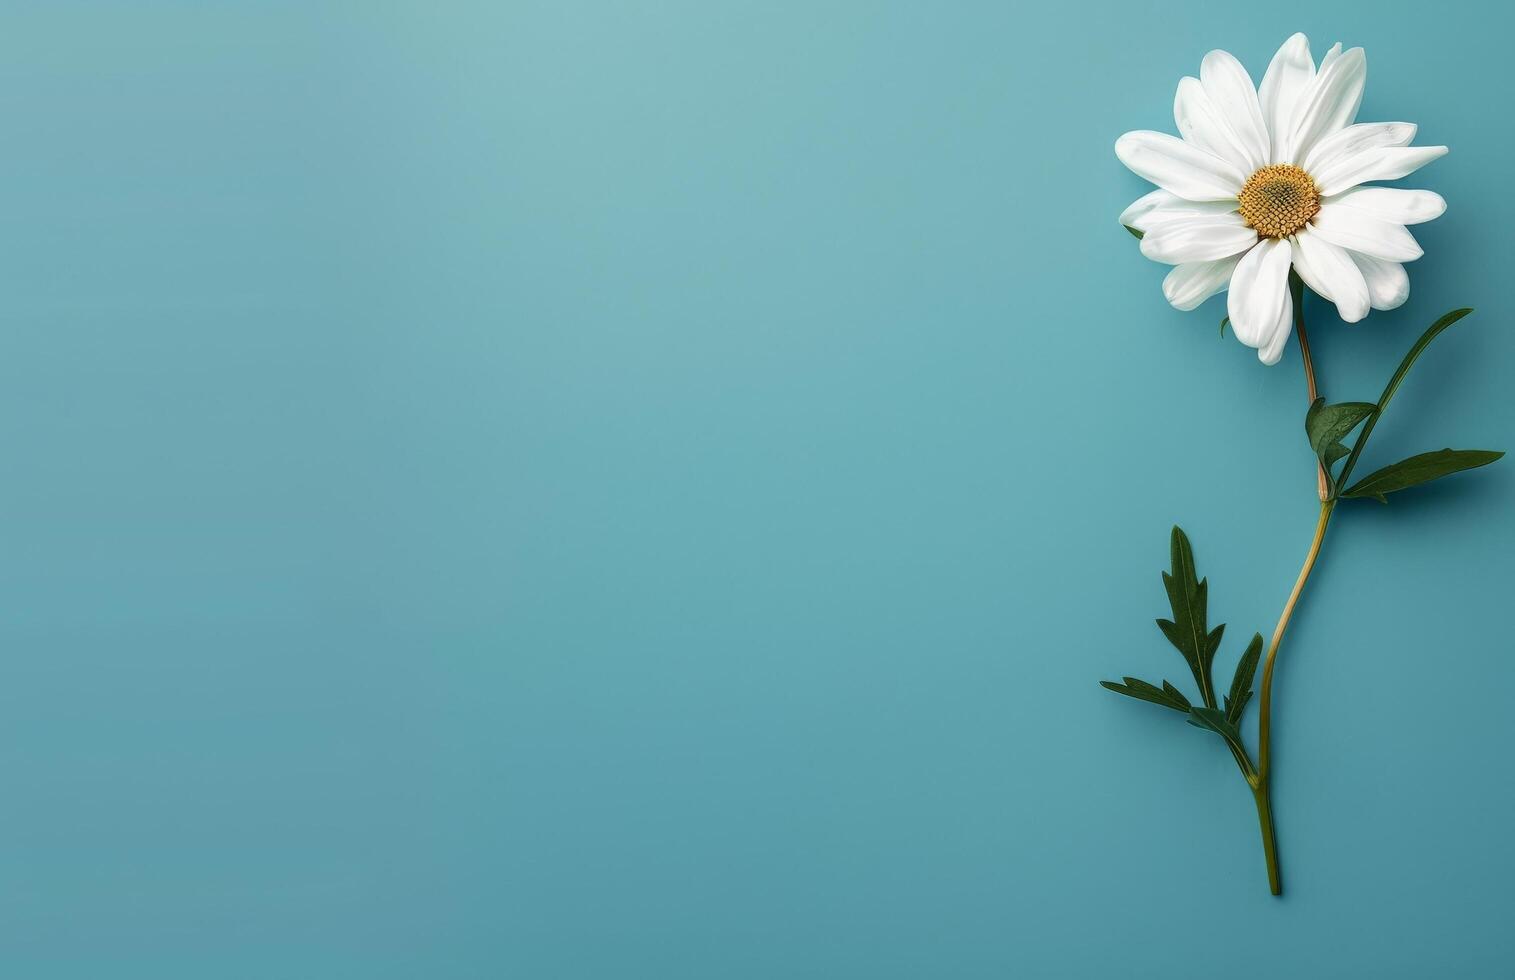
column 572, row 490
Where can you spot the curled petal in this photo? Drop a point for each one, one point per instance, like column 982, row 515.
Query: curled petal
column 1330, row 271
column 1388, row 283
column 1261, row 277
column 1189, row 284
column 1272, row 351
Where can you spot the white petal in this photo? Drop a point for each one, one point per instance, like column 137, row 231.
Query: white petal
column 1373, row 164
column 1331, row 102
column 1191, row 283
column 1178, row 167
column 1153, row 209
column 1135, row 216
column 1201, row 123
column 1388, row 283
column 1398, row 204
column 1288, row 75
column 1332, row 53
column 1272, row 352
column 1355, row 139
column 1362, row 232
column 1377, row 163
column 1330, row 271
column 1198, row 239
column 1230, row 90
column 1261, row 277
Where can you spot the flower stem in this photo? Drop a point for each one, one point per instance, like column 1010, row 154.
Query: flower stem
column 1297, row 291
column 1265, row 702
column 1270, row 843
column 1260, row 787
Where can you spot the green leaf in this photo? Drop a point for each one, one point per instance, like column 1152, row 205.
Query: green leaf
column 1215, row 721
column 1188, row 631
column 1420, row 345
column 1432, row 332
column 1325, row 425
column 1241, row 683
column 1168, row 696
column 1175, row 694
column 1419, row 469
column 1235, row 706
column 1223, row 321
column 1133, row 231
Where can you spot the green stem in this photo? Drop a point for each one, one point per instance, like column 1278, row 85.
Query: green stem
column 1265, row 702
column 1270, row 842
column 1297, row 293
column 1261, row 786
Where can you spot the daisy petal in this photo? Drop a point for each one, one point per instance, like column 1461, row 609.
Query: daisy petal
column 1272, row 352
column 1191, row 283
column 1388, row 283
column 1397, row 204
column 1153, row 209
column 1330, row 271
column 1288, row 75
column 1261, row 277
column 1332, row 53
column 1331, row 102
column 1201, row 123
column 1198, row 239
column 1230, row 90
column 1362, row 232
column 1178, row 167
column 1354, row 139
column 1377, row 163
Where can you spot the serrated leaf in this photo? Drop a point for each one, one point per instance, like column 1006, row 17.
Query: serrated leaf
column 1419, row 469
column 1235, row 706
column 1212, row 642
column 1168, row 696
column 1215, row 721
column 1241, row 681
column 1326, row 425
column 1188, row 629
column 1133, row 231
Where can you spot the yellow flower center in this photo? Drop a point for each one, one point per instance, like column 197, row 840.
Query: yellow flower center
column 1279, row 200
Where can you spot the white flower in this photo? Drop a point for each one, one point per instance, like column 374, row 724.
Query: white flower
column 1268, row 178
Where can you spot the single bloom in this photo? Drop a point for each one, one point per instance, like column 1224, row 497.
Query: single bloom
column 1274, row 177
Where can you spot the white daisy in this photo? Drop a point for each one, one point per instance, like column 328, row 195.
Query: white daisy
column 1268, row 178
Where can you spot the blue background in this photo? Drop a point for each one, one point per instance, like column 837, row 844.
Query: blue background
column 560, row 490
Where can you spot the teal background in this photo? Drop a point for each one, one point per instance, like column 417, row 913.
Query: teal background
column 573, row 490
